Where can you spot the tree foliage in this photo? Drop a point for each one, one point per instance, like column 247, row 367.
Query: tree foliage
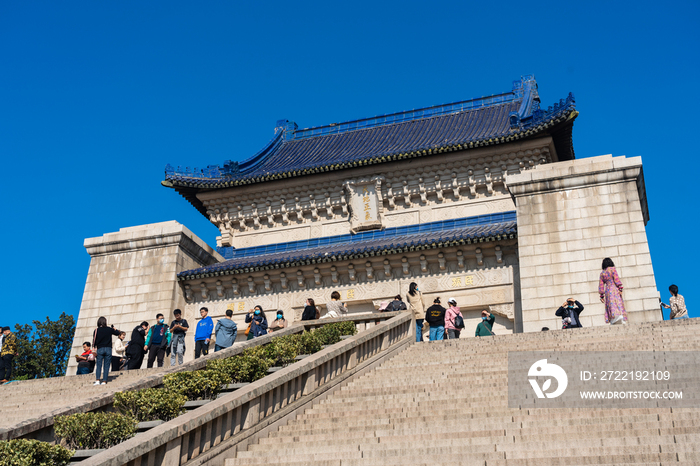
column 43, row 348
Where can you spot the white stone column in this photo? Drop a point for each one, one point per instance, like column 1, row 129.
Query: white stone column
column 572, row 215
column 133, row 276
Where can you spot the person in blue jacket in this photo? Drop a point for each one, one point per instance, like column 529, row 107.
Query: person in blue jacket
column 226, row 332
column 202, row 336
column 258, row 322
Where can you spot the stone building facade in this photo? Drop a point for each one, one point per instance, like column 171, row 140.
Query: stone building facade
column 480, row 200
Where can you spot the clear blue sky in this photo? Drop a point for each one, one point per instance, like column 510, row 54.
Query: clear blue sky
column 97, row 97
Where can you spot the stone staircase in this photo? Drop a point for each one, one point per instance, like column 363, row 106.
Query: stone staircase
column 27, row 399
column 447, row 403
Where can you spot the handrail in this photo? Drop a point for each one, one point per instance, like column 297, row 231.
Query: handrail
column 183, row 439
column 41, row 428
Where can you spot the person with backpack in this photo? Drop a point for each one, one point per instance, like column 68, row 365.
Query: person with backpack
column 484, row 329
column 435, row 316
column 454, row 320
column 396, row 305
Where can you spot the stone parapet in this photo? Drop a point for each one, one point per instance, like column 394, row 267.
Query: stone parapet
column 571, row 215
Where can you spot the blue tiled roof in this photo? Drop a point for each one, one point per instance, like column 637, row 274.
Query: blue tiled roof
column 366, row 244
column 462, row 125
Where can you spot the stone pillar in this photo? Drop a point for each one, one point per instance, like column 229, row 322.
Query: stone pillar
column 571, row 215
column 133, row 276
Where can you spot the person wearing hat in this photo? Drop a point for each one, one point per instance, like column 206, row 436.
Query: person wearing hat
column 7, row 353
column 450, row 316
column 279, row 323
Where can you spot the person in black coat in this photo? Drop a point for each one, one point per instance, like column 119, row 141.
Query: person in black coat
column 309, row 311
column 435, row 316
column 396, row 305
column 137, row 346
column 569, row 313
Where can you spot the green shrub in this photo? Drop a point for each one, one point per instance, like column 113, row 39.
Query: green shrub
column 309, row 343
column 254, row 364
column 330, row 334
column 283, row 350
column 150, row 404
column 347, row 328
column 86, row 431
column 248, row 366
column 22, row 452
column 196, row 385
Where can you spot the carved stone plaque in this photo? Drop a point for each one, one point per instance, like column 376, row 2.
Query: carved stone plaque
column 365, row 201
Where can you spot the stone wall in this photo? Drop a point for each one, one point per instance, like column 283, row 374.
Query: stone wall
column 571, row 215
column 444, row 186
column 479, row 276
column 133, row 276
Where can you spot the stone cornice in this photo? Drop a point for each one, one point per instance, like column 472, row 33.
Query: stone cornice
column 562, row 176
column 154, row 236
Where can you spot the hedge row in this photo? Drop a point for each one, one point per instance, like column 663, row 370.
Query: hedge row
column 86, row 431
column 103, row 430
column 150, row 404
column 23, row 452
column 253, row 363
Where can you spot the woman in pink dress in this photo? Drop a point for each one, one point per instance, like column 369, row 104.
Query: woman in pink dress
column 610, row 290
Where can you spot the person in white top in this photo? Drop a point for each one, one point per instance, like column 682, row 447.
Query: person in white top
column 677, row 307
column 118, row 352
column 335, row 308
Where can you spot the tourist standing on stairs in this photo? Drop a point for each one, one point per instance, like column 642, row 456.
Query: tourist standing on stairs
column 435, row 316
column 118, row 352
column 102, row 342
column 450, row 320
column 258, row 322
column 178, row 329
column 202, row 335
column 279, row 323
column 7, row 353
column 610, row 290
column 678, row 310
column 415, row 305
column 157, row 340
column 135, row 350
column 226, row 332
column 569, row 313
column 310, row 310
column 485, row 327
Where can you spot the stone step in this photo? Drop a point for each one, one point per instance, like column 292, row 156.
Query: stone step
column 443, row 413
column 386, row 427
column 474, row 444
